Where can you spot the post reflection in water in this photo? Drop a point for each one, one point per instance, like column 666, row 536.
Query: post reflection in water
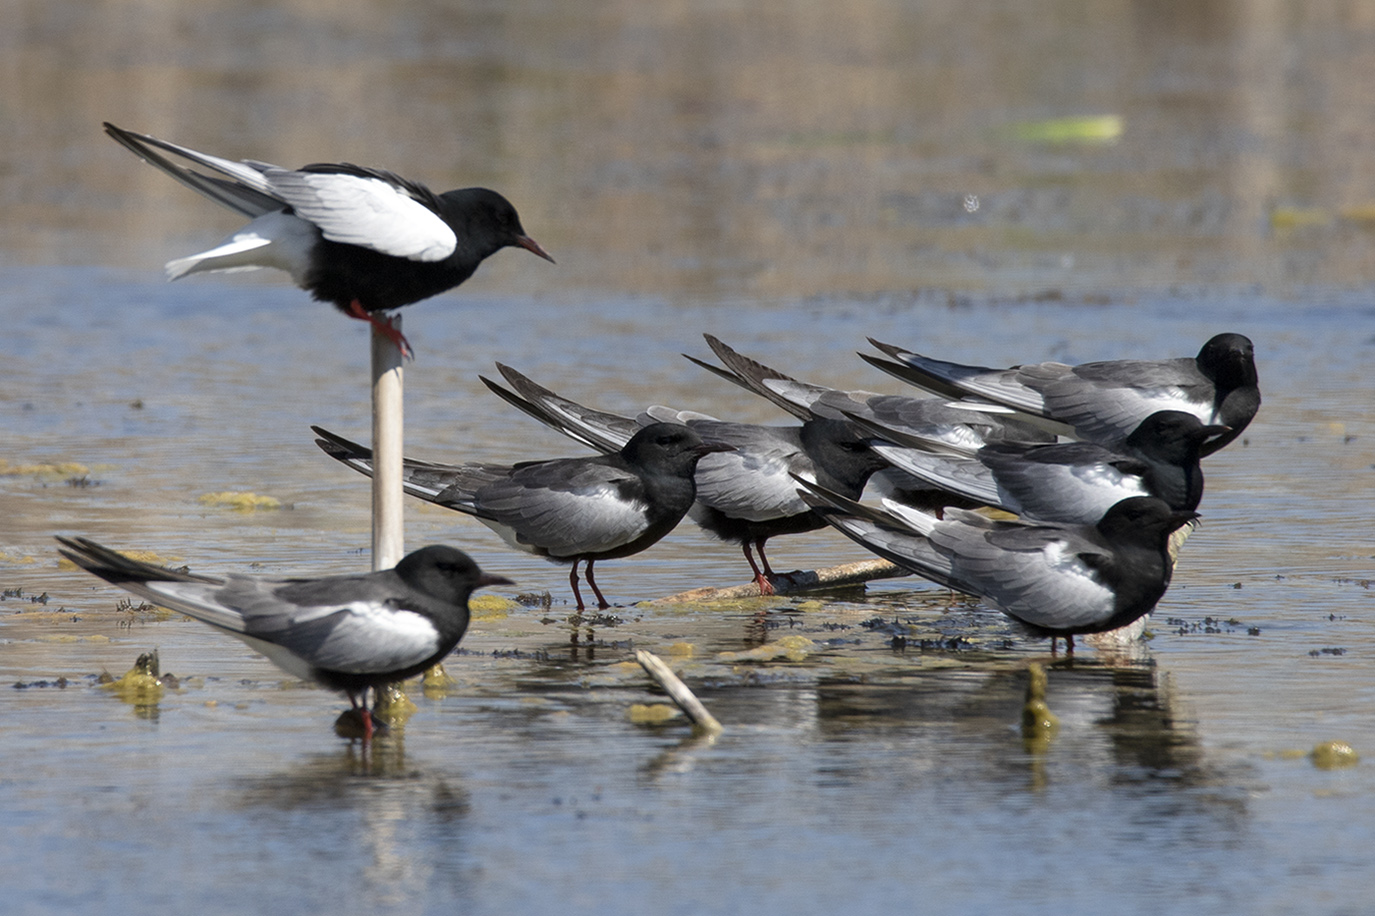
column 405, row 826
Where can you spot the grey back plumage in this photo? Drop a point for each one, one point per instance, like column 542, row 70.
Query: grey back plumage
column 1072, row 482
column 603, row 506
column 347, row 631
column 1053, row 578
column 1103, row 401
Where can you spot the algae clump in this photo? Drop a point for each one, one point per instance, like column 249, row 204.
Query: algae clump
column 792, row 648
column 392, row 707
column 652, row 713
column 1085, row 129
column 1333, row 755
column 1039, row 724
column 436, row 683
column 141, row 685
column 48, row 471
column 240, row 501
column 490, row 607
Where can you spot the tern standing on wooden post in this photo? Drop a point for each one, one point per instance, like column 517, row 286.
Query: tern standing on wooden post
column 366, row 240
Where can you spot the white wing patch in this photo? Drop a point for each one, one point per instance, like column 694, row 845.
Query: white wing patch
column 754, row 486
column 1113, row 484
column 367, row 212
column 1062, row 593
column 387, row 639
column 1061, row 560
column 602, row 521
column 568, row 524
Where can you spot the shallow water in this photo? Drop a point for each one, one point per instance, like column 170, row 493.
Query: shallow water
column 695, row 168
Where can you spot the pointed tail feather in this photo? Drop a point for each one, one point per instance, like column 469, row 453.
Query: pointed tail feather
column 248, row 193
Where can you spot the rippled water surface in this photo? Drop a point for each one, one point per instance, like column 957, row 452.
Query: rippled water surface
column 791, row 181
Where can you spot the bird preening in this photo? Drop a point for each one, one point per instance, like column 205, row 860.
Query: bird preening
column 363, row 239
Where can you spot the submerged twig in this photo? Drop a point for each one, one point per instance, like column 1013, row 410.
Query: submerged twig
column 804, row 580
column 687, row 701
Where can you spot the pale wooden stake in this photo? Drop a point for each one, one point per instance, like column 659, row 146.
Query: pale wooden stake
column 388, row 530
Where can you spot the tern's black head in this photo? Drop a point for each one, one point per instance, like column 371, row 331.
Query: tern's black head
column 1172, row 436
column 445, row 573
column 1229, row 360
column 840, row 454
column 1143, row 520
column 668, row 448
column 487, row 219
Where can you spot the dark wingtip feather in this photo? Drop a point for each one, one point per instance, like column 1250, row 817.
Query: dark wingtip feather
column 336, row 446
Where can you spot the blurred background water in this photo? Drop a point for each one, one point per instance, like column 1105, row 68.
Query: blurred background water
column 986, row 182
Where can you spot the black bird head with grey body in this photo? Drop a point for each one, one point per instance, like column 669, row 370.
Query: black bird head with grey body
column 350, row 633
column 1103, row 401
column 1055, row 579
column 1071, row 482
column 746, row 494
column 567, row 510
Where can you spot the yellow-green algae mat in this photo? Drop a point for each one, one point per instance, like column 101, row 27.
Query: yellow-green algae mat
column 239, row 501
column 1326, row 755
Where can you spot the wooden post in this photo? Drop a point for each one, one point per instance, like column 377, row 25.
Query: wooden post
column 388, row 531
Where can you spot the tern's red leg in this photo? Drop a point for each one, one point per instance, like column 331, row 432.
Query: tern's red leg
column 363, row 713
column 601, row 601
column 573, row 581
column 382, row 326
column 759, row 546
column 768, row 570
column 765, row 586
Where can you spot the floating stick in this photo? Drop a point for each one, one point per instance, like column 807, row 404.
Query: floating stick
column 831, row 577
column 686, row 700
